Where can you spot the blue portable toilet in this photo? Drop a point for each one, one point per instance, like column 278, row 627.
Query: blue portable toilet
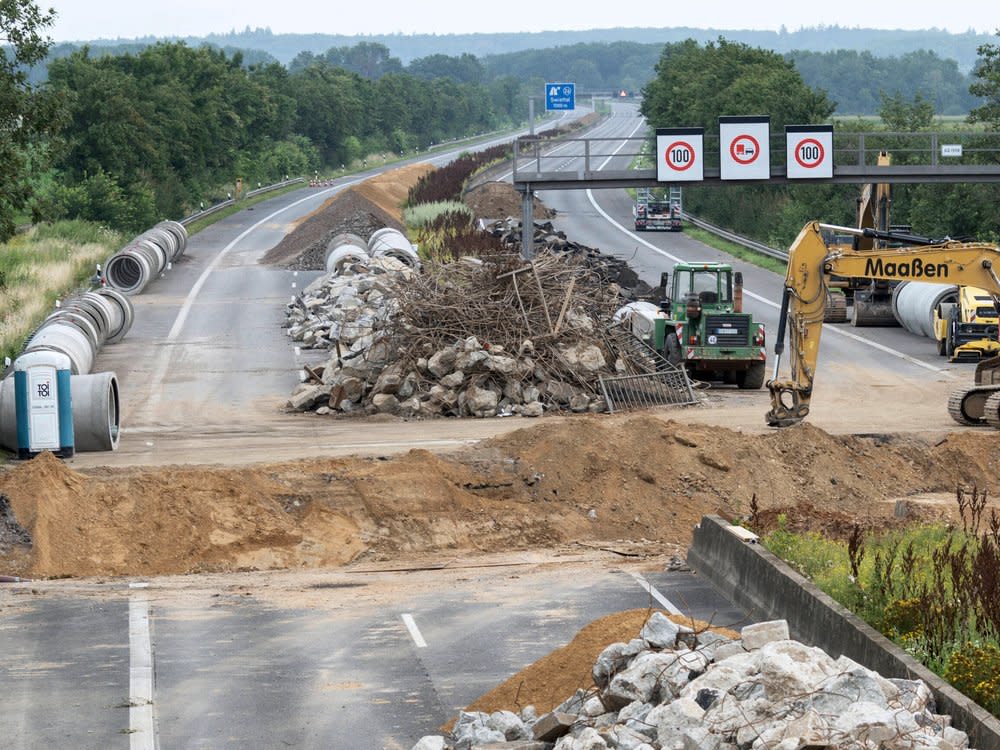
column 43, row 406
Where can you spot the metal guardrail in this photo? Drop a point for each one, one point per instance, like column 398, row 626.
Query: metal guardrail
column 757, row 247
column 232, row 201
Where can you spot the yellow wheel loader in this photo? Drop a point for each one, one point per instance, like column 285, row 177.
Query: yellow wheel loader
column 811, row 264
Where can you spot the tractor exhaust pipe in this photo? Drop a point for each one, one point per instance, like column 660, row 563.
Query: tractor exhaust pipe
column 738, row 292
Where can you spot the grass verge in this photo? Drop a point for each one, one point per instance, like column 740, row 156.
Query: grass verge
column 242, row 205
column 737, row 251
column 46, row 263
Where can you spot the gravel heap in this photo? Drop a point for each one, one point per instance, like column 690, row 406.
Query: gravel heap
column 673, row 689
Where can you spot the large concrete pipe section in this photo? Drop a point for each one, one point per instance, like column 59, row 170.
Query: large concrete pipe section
column 69, row 336
column 179, row 231
column 394, row 244
column 120, row 311
column 345, row 248
column 96, row 413
column 914, row 303
column 134, row 266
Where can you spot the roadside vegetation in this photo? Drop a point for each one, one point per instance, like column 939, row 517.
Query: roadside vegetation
column 44, row 264
column 932, row 589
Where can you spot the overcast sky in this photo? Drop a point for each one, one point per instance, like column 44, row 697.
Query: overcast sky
column 94, row 19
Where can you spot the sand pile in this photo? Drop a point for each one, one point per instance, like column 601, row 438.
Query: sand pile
column 589, row 480
column 361, row 209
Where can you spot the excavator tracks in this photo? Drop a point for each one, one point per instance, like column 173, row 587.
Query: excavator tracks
column 992, row 412
column 970, row 406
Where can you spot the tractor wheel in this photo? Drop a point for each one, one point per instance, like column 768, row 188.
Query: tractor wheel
column 752, row 378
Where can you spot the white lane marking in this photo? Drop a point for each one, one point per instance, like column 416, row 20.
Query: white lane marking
column 642, row 124
column 142, row 728
column 182, row 314
column 556, row 149
column 651, row 590
column 411, row 625
column 826, row 327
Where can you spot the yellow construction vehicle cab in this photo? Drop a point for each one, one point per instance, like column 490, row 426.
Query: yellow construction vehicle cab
column 966, row 329
column 811, row 264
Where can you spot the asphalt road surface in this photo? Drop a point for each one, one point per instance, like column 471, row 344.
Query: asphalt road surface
column 358, row 659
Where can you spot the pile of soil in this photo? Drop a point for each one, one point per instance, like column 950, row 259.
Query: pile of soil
column 361, row 209
column 498, row 200
column 555, row 677
column 583, row 480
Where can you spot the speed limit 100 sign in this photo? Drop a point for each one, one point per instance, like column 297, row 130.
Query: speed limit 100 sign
column 680, row 153
column 809, row 151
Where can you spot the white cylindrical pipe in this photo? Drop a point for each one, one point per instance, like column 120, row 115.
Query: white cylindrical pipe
column 393, row 244
column 180, row 232
column 96, row 411
column 341, row 256
column 129, row 272
column 122, row 313
column 914, row 303
column 163, row 239
column 65, row 337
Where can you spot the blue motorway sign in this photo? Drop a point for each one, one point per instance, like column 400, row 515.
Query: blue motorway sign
column 560, row 96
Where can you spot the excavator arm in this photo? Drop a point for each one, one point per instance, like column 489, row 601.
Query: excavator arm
column 810, row 265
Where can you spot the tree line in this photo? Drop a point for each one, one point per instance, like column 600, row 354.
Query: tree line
column 139, row 136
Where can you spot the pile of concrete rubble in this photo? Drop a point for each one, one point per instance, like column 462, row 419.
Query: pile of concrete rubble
column 612, row 270
column 463, row 339
column 672, row 689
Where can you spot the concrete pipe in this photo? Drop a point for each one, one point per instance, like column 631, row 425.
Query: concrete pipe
column 122, row 313
column 96, row 412
column 179, row 231
column 914, row 303
column 165, row 240
column 86, row 319
column 393, row 244
column 60, row 335
column 133, row 267
column 345, row 248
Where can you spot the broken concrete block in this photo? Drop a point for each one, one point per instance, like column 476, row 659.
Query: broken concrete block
column 757, row 635
column 431, row 742
column 552, row 726
column 660, row 631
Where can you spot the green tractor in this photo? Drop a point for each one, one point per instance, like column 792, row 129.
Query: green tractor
column 700, row 324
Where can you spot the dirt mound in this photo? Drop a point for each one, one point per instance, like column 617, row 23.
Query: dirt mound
column 498, row 200
column 552, row 679
column 361, row 209
column 586, row 480
column 170, row 522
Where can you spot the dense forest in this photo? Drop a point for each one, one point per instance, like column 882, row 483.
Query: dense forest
column 144, row 135
column 852, row 79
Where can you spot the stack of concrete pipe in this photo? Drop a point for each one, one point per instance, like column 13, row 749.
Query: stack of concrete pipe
column 914, row 303
column 350, row 248
column 133, row 267
column 82, row 325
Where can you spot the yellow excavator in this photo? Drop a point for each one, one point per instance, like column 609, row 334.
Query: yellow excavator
column 811, row 264
column 870, row 299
